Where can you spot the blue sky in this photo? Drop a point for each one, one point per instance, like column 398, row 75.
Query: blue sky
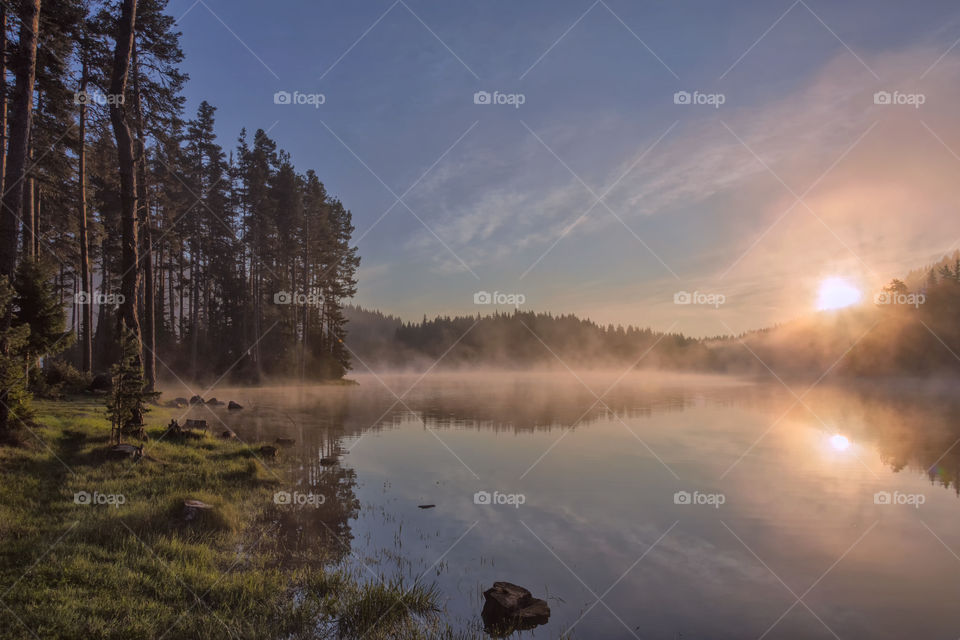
column 799, row 175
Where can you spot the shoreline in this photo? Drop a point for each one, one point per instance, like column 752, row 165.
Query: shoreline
column 105, row 548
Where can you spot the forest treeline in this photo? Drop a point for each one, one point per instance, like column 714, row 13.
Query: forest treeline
column 901, row 331
column 517, row 339
column 123, row 219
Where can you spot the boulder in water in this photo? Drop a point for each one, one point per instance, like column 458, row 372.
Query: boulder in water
column 233, row 406
column 509, row 608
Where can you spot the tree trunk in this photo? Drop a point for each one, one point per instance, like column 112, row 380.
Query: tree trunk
column 11, row 201
column 180, row 289
column 158, row 270
column 129, row 284
column 37, row 200
column 194, row 308
column 3, row 93
column 149, row 309
column 28, row 219
column 21, row 112
column 86, row 333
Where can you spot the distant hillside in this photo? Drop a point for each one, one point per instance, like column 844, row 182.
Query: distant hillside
column 515, row 340
column 907, row 330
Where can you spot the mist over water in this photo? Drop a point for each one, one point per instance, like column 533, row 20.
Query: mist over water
column 689, row 506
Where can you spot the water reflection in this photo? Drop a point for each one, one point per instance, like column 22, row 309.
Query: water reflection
column 312, row 530
column 916, row 431
column 599, row 477
column 912, row 431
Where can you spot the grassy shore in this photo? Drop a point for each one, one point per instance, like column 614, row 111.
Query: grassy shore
column 140, row 569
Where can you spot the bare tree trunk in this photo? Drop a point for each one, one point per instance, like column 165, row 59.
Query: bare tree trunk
column 31, row 196
column 181, row 308
column 28, row 219
column 3, row 93
column 171, row 292
column 21, row 113
column 127, row 316
column 86, row 335
column 194, row 309
column 11, row 201
column 149, row 310
column 37, row 201
column 158, row 270
column 257, row 319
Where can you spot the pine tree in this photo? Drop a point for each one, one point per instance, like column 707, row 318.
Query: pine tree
column 38, row 307
column 14, row 397
column 128, row 398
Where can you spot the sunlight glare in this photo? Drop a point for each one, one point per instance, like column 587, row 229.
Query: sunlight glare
column 837, row 293
column 839, row 442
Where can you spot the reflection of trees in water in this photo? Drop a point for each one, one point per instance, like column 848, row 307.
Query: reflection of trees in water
column 518, row 409
column 913, row 428
column 924, row 437
column 316, row 530
column 507, row 405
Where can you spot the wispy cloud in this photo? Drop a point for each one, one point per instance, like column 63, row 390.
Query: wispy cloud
column 881, row 206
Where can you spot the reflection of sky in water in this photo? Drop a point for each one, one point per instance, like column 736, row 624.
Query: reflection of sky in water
column 801, row 500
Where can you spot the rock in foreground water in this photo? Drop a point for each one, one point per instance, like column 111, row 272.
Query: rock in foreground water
column 509, row 608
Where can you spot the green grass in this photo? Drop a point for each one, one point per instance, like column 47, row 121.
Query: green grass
column 140, row 570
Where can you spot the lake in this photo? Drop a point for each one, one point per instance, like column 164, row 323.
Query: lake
column 645, row 505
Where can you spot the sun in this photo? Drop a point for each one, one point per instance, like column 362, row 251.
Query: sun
column 837, row 293
column 839, row 442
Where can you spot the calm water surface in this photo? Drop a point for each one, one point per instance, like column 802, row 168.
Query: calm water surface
column 777, row 531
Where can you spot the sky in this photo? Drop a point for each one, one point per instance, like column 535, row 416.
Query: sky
column 606, row 157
